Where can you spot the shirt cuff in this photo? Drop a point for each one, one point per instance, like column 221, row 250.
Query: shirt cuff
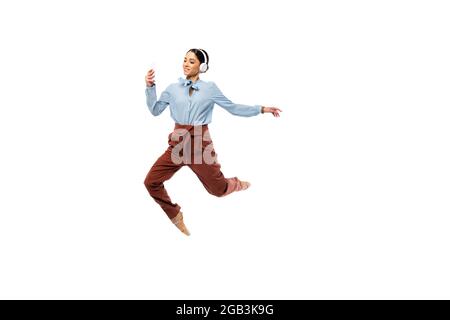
column 150, row 89
column 259, row 108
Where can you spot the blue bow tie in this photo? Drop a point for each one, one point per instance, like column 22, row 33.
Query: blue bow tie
column 186, row 82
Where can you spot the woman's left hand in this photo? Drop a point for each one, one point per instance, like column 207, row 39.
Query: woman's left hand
column 274, row 111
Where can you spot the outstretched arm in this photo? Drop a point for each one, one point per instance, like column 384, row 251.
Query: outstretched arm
column 241, row 109
column 233, row 108
column 155, row 106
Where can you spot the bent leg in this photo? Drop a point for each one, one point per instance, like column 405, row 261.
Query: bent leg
column 162, row 170
column 211, row 177
column 209, row 173
column 214, row 181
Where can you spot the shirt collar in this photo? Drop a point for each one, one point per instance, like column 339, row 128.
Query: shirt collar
column 186, row 82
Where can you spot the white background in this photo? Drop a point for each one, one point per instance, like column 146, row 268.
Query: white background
column 350, row 187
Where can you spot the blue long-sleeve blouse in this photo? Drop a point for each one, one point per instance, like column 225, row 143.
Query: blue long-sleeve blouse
column 196, row 109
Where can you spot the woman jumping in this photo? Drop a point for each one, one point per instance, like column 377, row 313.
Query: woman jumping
column 191, row 103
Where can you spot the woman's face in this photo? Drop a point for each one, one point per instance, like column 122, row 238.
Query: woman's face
column 191, row 64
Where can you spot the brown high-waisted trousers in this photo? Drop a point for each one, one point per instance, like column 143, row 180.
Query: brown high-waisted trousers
column 190, row 146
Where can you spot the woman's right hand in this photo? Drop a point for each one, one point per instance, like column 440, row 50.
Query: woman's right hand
column 150, row 78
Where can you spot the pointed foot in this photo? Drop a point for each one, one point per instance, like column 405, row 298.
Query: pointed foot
column 179, row 223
